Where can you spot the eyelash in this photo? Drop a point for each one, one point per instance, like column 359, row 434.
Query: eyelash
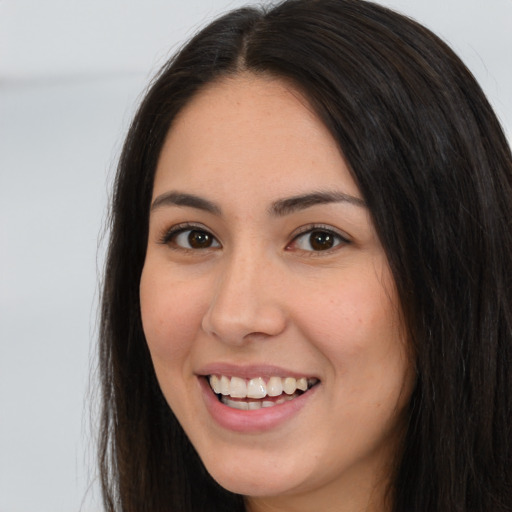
column 339, row 239
column 170, row 235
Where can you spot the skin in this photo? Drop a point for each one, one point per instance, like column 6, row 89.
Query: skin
column 261, row 294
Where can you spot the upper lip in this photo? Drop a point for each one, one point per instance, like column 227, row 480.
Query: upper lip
column 251, row 371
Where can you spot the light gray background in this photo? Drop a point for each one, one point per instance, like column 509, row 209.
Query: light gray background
column 71, row 72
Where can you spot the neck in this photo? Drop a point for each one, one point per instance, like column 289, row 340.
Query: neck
column 360, row 496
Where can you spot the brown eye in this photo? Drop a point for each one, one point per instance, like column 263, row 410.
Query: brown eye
column 192, row 239
column 321, row 240
column 199, row 239
column 317, row 240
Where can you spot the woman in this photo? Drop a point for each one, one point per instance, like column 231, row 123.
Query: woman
column 307, row 300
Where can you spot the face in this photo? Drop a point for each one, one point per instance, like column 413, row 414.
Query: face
column 267, row 301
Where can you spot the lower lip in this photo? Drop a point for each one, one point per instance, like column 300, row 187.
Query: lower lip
column 259, row 420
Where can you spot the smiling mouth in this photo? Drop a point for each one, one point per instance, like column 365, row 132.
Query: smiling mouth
column 257, row 393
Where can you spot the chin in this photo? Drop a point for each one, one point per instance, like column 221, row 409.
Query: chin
column 254, row 488
column 254, row 480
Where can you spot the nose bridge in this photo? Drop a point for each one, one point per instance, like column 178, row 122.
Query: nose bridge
column 245, row 300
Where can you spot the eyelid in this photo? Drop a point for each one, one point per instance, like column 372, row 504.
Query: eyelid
column 172, row 232
column 168, row 234
column 304, row 230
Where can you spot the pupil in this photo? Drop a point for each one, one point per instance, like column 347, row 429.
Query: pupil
column 199, row 239
column 321, row 240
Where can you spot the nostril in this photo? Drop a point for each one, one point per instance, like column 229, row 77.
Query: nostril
column 243, row 322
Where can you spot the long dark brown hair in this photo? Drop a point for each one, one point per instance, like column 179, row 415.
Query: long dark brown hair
column 435, row 170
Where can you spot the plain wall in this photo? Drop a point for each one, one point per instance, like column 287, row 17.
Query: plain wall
column 71, row 73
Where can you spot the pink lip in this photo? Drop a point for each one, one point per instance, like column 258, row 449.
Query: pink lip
column 255, row 421
column 249, row 372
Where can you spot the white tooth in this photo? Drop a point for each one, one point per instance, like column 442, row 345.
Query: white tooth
column 243, row 406
column 289, row 385
column 256, row 388
column 285, row 398
column 215, row 383
column 267, row 403
column 254, row 405
column 238, row 388
column 302, row 384
column 274, row 386
column 224, row 385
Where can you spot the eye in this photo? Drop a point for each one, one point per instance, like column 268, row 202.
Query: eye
column 190, row 238
column 317, row 240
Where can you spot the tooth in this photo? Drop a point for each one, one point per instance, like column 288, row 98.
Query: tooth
column 215, row 383
column 302, row 384
column 238, row 388
column 243, row 406
column 274, row 386
column 256, row 388
column 267, row 403
column 254, row 405
column 224, row 385
column 289, row 385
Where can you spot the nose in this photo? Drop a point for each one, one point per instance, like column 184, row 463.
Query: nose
column 247, row 302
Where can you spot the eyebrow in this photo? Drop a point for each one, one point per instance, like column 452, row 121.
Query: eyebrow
column 292, row 204
column 279, row 208
column 189, row 200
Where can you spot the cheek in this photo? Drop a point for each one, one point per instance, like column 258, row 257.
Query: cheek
column 357, row 328
column 356, row 324
column 352, row 313
column 171, row 315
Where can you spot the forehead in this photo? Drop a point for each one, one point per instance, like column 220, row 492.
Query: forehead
column 251, row 131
